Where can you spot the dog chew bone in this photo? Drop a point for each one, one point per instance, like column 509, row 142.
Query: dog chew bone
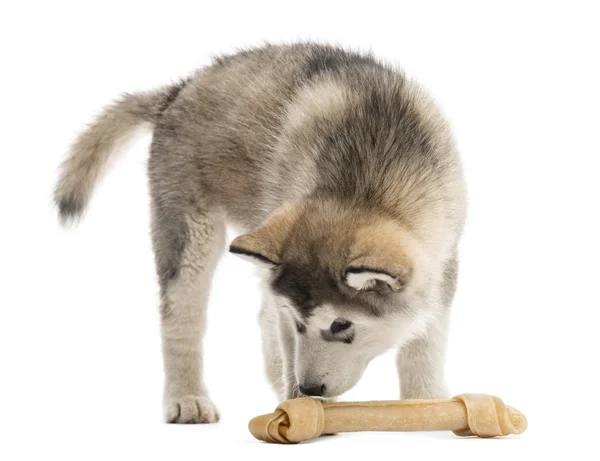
column 304, row 419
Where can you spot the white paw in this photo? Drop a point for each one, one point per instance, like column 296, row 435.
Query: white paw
column 191, row 409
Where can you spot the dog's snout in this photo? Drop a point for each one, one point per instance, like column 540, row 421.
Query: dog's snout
column 314, row 390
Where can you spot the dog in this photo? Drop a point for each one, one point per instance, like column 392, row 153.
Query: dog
column 343, row 180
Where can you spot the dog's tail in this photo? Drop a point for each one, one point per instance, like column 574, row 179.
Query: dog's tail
column 91, row 151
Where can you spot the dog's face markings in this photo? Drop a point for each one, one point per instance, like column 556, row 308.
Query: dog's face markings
column 333, row 341
column 336, row 344
column 340, row 325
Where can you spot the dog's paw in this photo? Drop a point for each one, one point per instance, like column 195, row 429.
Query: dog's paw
column 191, row 409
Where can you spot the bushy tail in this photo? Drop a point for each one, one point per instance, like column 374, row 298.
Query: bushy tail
column 90, row 152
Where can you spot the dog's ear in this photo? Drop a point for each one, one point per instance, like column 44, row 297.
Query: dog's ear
column 379, row 254
column 365, row 278
column 264, row 244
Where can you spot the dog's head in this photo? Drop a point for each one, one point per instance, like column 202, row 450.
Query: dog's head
column 347, row 284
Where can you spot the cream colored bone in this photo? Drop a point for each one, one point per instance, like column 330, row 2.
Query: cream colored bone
column 304, row 419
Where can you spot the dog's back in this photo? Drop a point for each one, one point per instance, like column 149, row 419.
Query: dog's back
column 269, row 125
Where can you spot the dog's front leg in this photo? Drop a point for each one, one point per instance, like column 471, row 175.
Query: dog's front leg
column 287, row 344
column 421, row 365
column 421, row 362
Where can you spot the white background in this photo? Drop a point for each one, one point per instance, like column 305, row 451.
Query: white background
column 81, row 373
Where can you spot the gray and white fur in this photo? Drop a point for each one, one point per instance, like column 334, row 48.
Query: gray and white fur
column 343, row 180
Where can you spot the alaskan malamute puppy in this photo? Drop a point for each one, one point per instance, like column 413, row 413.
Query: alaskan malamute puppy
column 344, row 181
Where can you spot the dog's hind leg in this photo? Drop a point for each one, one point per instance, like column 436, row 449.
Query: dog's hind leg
column 188, row 241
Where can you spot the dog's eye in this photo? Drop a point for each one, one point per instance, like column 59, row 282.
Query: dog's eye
column 340, row 325
column 300, row 328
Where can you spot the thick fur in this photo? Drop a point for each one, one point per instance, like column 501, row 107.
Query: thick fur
column 344, row 179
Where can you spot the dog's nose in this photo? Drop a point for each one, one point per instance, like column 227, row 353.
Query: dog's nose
column 315, row 390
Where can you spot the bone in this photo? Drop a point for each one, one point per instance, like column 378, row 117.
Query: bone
column 304, row 419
